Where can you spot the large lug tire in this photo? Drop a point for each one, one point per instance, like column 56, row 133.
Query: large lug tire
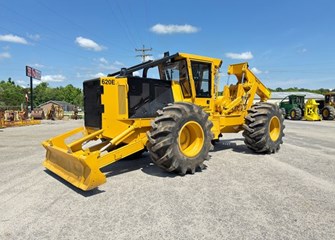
column 263, row 128
column 283, row 112
column 328, row 113
column 295, row 114
column 180, row 138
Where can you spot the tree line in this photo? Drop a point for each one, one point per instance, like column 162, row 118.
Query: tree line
column 295, row 89
column 13, row 95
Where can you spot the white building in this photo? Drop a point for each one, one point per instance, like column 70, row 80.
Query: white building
column 276, row 97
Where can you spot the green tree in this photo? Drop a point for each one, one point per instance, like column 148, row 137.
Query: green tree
column 69, row 93
column 11, row 94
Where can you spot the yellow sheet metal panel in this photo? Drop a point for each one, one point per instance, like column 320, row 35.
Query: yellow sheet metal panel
column 122, row 101
column 176, row 91
column 114, row 100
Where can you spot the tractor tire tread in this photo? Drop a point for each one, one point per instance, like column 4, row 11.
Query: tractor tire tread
column 256, row 128
column 163, row 138
column 331, row 113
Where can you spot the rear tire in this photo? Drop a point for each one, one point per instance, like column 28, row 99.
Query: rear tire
column 263, row 128
column 328, row 113
column 296, row 114
column 180, row 138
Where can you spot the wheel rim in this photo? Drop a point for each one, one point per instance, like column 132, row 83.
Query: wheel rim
column 274, row 128
column 293, row 114
column 325, row 112
column 191, row 139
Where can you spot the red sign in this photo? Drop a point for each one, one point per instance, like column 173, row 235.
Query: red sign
column 32, row 72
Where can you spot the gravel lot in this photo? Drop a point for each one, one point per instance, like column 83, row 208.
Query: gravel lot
column 241, row 195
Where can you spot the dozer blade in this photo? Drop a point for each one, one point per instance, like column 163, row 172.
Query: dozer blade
column 74, row 165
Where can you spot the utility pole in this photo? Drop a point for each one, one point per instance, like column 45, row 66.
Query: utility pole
column 144, row 54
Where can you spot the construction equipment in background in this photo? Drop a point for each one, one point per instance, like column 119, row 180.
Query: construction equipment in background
column 2, row 121
column 13, row 118
column 327, row 106
column 311, row 111
column 37, row 114
column 294, row 107
column 55, row 112
column 174, row 116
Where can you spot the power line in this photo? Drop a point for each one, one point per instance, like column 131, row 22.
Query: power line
column 117, row 15
column 144, row 54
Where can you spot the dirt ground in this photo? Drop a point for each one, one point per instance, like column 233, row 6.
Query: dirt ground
column 241, row 195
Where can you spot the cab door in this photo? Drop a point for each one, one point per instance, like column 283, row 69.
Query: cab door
column 201, row 72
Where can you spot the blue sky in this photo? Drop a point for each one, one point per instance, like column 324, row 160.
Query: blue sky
column 287, row 43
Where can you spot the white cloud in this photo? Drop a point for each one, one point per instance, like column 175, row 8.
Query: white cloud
column 13, row 39
column 118, row 63
column 256, row 71
column 137, row 74
column 103, row 60
column 36, row 82
column 5, row 55
column 88, row 44
column 53, row 78
column 34, row 37
column 20, row 81
column 242, row 56
column 110, row 67
column 37, row 65
column 97, row 75
column 90, row 75
column 147, row 58
column 171, row 29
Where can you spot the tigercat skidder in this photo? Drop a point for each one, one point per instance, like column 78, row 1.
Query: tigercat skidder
column 175, row 116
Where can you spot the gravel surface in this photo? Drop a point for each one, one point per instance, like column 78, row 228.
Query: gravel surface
column 241, row 195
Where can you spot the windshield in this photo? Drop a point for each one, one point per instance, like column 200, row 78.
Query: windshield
column 330, row 98
column 177, row 71
column 171, row 71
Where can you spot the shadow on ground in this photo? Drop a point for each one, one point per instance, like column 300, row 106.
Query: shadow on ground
column 145, row 164
column 127, row 165
column 77, row 190
column 236, row 144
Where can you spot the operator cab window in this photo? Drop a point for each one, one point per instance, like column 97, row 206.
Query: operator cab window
column 177, row 71
column 329, row 98
column 202, row 78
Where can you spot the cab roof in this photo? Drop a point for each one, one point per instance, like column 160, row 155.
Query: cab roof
column 167, row 57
